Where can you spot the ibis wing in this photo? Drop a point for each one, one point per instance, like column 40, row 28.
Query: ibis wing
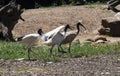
column 54, row 31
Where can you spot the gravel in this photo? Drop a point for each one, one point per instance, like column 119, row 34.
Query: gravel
column 104, row 65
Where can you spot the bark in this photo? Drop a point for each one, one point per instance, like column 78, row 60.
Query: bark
column 9, row 16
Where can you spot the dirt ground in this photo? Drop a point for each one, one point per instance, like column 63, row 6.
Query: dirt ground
column 104, row 65
column 49, row 18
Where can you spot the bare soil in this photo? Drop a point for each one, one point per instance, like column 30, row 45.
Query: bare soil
column 104, row 65
column 49, row 18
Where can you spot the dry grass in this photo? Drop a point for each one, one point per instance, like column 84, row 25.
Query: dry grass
column 49, row 18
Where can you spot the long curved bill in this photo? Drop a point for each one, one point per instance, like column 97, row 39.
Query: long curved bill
column 83, row 26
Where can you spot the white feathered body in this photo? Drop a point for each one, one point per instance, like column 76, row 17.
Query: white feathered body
column 54, row 36
column 55, row 40
column 30, row 39
column 69, row 37
column 54, row 31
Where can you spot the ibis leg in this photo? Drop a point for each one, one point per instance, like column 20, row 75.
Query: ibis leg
column 51, row 50
column 69, row 49
column 59, row 46
column 29, row 49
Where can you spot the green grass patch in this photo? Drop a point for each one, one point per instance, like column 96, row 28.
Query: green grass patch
column 92, row 50
column 15, row 50
column 96, row 5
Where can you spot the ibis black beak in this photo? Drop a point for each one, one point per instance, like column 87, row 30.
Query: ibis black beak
column 83, row 26
column 79, row 23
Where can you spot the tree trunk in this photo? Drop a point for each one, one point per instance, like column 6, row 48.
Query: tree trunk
column 9, row 16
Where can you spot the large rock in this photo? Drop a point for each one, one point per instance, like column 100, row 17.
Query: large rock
column 111, row 23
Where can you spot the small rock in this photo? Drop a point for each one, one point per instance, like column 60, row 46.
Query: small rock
column 49, row 62
column 100, row 41
column 20, row 59
column 100, row 38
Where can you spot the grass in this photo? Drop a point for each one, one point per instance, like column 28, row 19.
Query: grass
column 88, row 5
column 14, row 50
column 96, row 5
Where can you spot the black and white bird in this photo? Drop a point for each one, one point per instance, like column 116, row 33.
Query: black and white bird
column 54, row 37
column 30, row 40
column 71, row 35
